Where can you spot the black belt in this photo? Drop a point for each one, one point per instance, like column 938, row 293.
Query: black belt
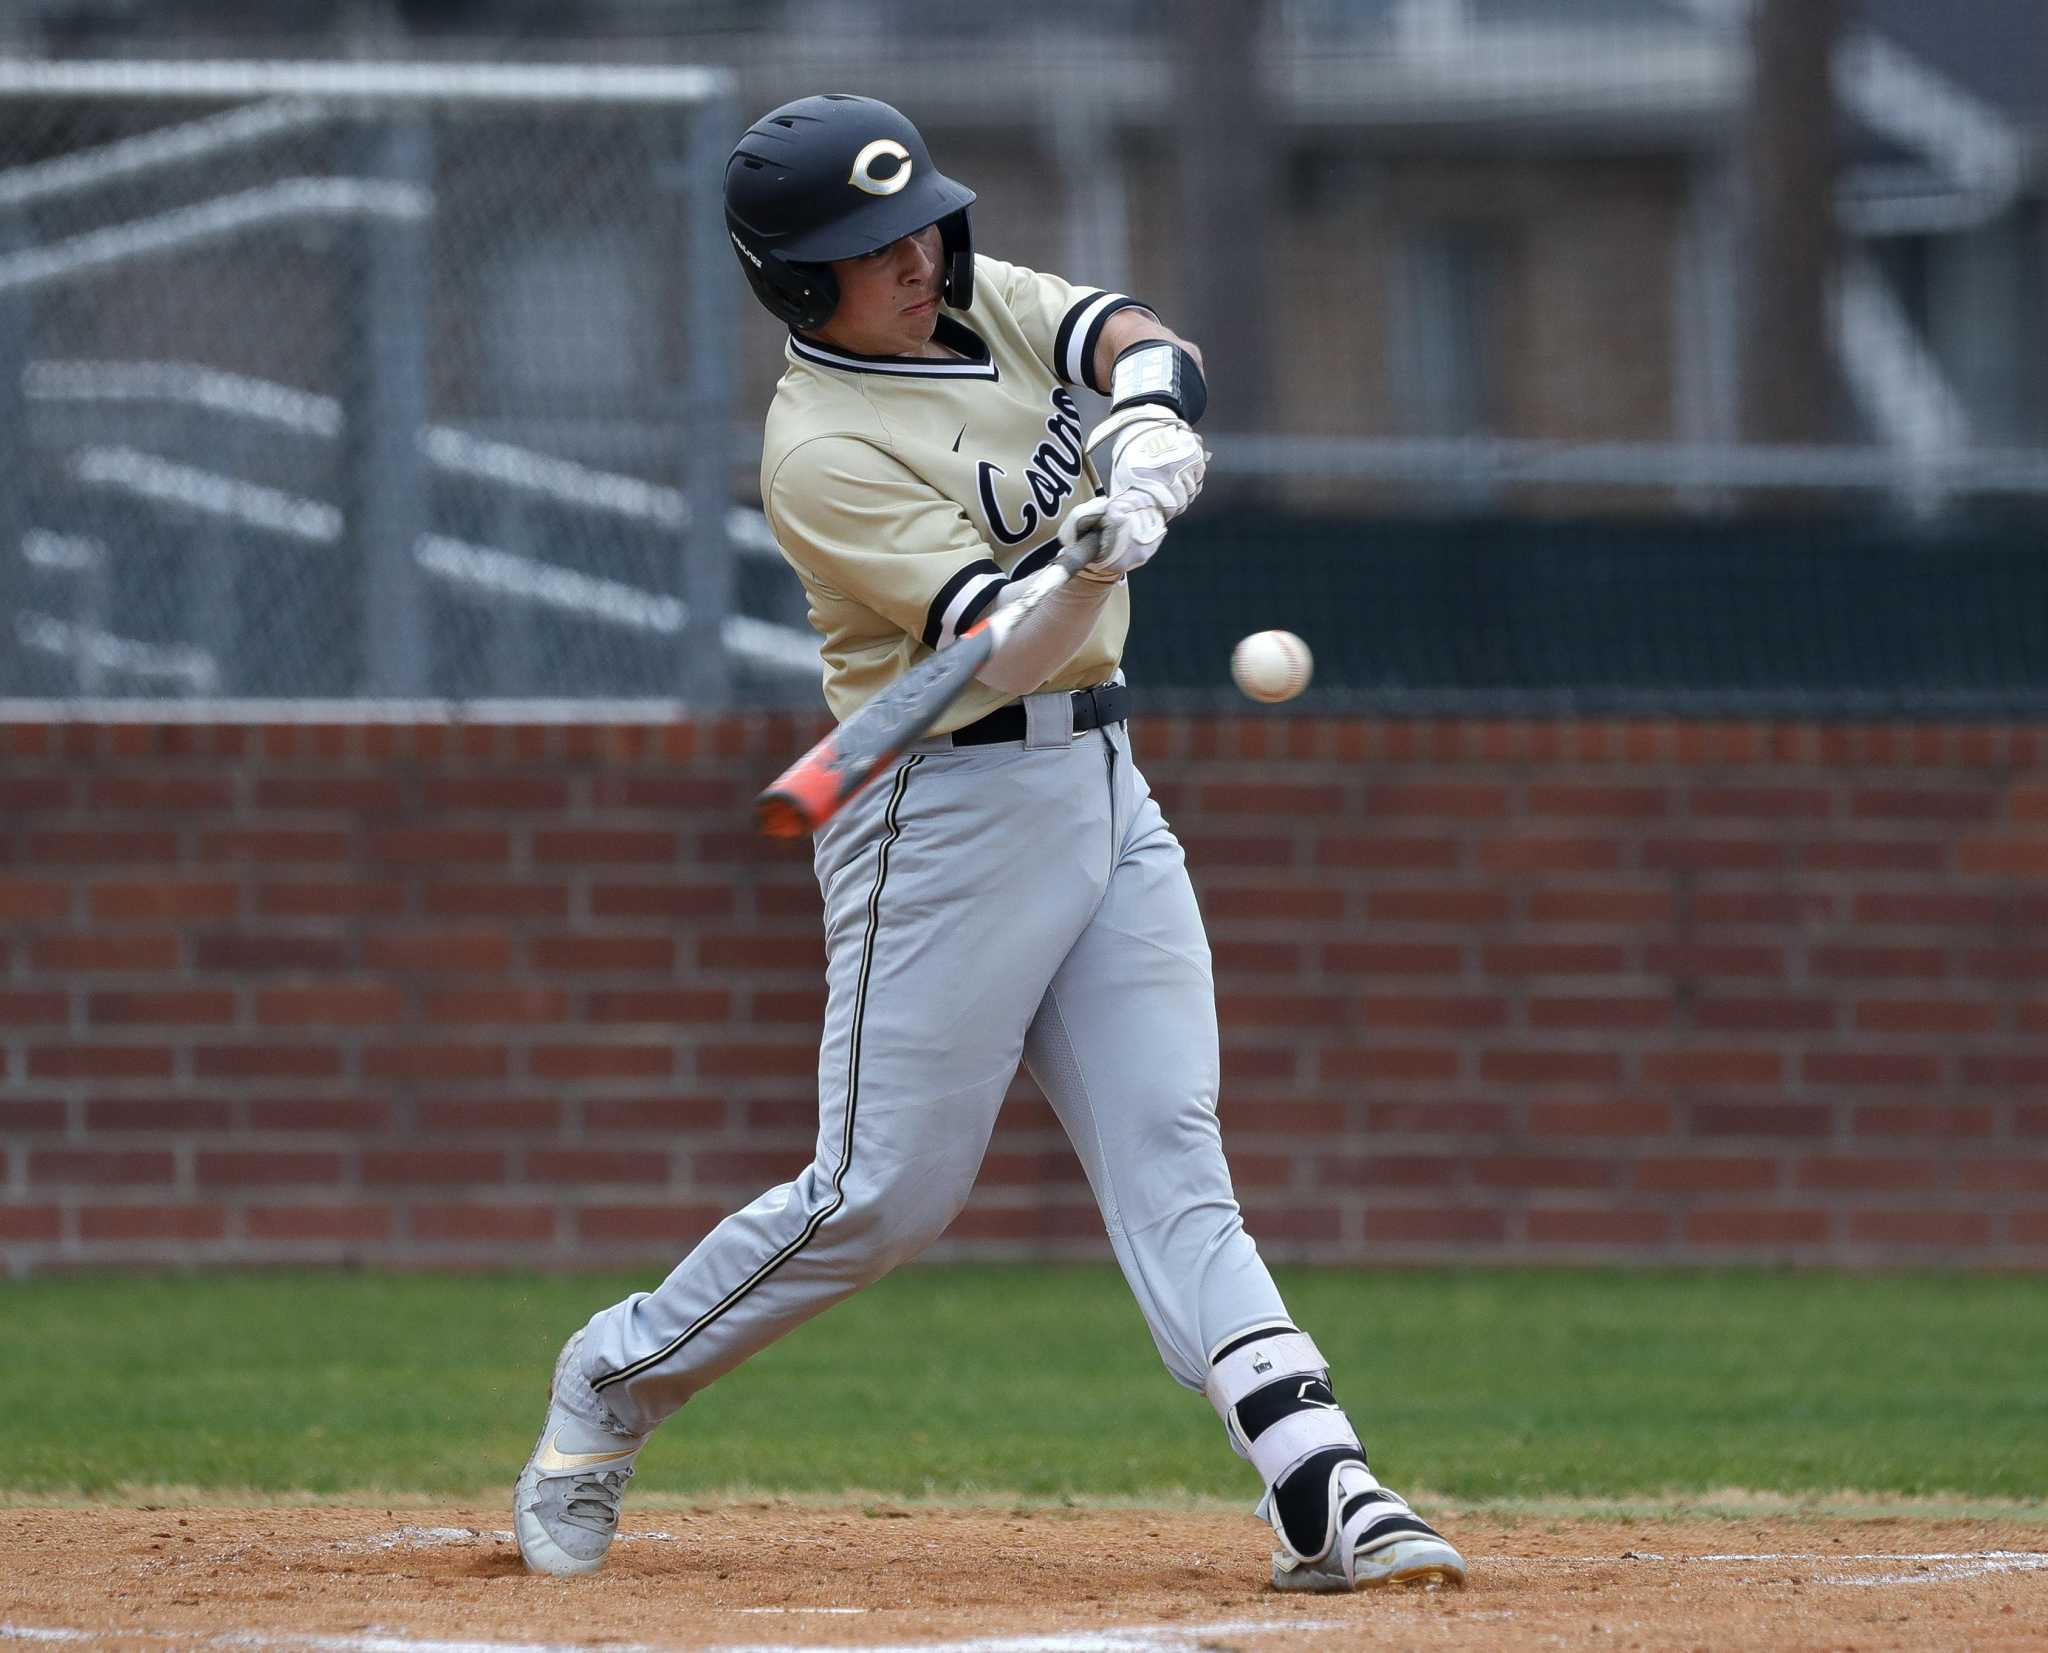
column 1105, row 703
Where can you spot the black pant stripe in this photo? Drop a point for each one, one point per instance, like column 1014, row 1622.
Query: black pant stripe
column 860, row 1004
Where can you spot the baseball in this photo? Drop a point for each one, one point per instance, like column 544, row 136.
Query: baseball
column 1271, row 665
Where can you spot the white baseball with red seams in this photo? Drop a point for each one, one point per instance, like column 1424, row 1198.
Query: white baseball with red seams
column 1271, row 665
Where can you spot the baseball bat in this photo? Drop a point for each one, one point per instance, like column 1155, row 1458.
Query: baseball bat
column 817, row 786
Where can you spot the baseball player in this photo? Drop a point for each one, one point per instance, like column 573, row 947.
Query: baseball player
column 1008, row 890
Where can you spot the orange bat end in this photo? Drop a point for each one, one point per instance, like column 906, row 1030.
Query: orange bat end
column 804, row 796
column 778, row 817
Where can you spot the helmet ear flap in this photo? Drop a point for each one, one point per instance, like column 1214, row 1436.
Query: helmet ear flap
column 957, row 243
column 799, row 295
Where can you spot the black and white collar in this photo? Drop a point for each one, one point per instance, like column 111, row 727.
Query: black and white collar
column 952, row 333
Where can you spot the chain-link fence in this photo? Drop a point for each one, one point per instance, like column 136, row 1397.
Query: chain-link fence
column 357, row 380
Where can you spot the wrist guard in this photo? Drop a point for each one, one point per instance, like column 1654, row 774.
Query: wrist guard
column 1157, row 371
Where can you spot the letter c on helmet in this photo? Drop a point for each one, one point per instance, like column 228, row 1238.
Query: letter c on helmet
column 863, row 175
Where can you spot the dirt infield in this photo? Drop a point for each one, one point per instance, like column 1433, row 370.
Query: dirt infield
column 767, row 1577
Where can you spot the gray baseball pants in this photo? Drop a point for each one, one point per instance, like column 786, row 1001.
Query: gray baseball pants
column 983, row 905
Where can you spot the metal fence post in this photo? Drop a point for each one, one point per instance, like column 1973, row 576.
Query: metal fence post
column 16, row 461
column 707, row 572
column 387, row 410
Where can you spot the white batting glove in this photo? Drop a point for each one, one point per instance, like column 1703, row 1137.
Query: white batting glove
column 1152, row 449
column 1130, row 526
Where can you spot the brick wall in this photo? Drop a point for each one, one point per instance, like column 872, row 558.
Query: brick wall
column 1624, row 991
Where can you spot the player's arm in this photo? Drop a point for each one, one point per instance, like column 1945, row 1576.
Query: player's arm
column 1157, row 392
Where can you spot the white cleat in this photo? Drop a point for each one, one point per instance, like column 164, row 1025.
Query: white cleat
column 1376, row 1541
column 565, row 1507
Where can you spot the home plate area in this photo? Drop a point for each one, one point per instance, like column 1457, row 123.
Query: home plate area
column 761, row 1577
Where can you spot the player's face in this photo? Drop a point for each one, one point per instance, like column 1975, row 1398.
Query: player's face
column 889, row 299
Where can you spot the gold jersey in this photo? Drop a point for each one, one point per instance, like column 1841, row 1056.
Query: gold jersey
column 905, row 492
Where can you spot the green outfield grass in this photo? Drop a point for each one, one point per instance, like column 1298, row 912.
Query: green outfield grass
column 1042, row 1383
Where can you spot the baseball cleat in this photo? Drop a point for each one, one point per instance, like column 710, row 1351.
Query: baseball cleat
column 1389, row 1544
column 565, row 1506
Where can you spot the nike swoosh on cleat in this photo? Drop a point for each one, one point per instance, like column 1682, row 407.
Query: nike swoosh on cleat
column 548, row 1457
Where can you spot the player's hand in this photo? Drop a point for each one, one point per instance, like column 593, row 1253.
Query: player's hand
column 1152, row 450
column 1128, row 526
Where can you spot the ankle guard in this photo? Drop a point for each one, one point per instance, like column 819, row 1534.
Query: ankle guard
column 1272, row 1388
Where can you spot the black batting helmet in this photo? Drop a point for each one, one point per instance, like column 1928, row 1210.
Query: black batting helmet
column 835, row 176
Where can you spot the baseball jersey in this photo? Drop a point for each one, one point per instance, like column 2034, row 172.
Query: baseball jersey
column 906, row 491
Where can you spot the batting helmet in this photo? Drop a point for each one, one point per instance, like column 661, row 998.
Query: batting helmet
column 831, row 177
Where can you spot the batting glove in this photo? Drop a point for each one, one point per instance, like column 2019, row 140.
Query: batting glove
column 1153, row 450
column 1129, row 527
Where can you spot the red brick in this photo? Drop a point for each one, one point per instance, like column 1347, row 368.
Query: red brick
column 457, row 1007
column 1705, row 1174
column 494, row 794
column 1756, row 1226
column 1847, row 1173
column 495, row 899
column 414, row 1166
column 1437, row 1118
column 1379, row 1170
column 435, row 1062
column 1437, row 800
column 239, row 953
column 273, row 844
column 1777, row 908
column 1712, row 1067
column 571, row 1062
column 1449, row 1011
column 666, row 902
column 1248, row 1064
column 151, row 1222
column 330, row 1004
column 1387, row 852
column 1897, row 1068
column 1604, row 1118
column 1774, row 1119
column 1760, row 803
column 2003, row 857
column 296, row 1061
column 173, row 901
column 1865, row 962
column 1389, row 1064
column 30, row 1222
column 661, row 1115
column 1925, row 1016
column 1691, row 960
column 488, row 1115
column 745, row 951
column 1242, row 957
column 1552, row 958
column 1599, row 1227
column 1461, row 908
column 2009, row 964
column 1535, row 855
column 98, row 848
column 1393, row 958
column 1603, row 1013
column 34, row 1008
column 584, row 846
column 672, row 1005
column 1932, row 1119
column 591, row 1165
column 1208, row 849
column 1259, row 1010
column 1778, row 1014
column 1614, row 906
column 765, row 1168
column 1949, row 804
column 182, row 1114
column 80, row 1061
column 478, row 1224
column 670, row 1227
column 18, row 1114
column 1920, row 1228
column 362, row 1224
column 24, row 901
column 670, row 795
column 161, row 794
column 168, row 1006
column 348, row 1115
column 100, row 1167
column 121, row 951
column 1272, row 800
column 1549, row 1067
column 2002, row 1176
column 1942, row 909
column 2007, row 1070
column 1544, row 1171
column 1609, row 803
column 331, row 898
column 1430, row 1225
column 1284, row 1116
column 1283, row 1222
column 1269, row 904
column 2030, row 1228
column 466, row 847
column 646, row 954
column 24, row 795
column 1713, row 854
column 267, row 1167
